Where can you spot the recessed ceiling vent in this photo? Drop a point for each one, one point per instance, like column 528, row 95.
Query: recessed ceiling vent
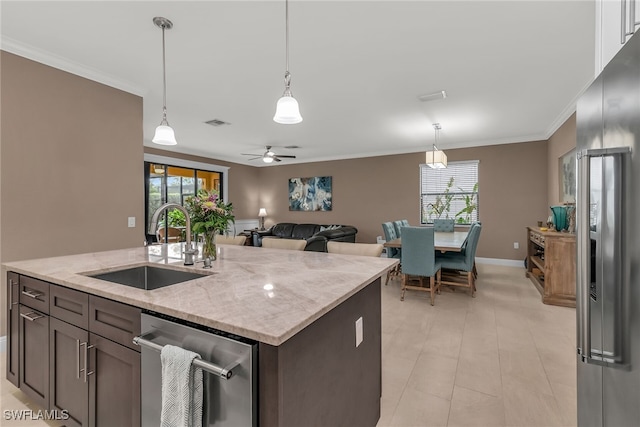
column 217, row 122
column 441, row 94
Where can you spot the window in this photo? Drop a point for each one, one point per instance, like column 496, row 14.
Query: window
column 166, row 183
column 449, row 193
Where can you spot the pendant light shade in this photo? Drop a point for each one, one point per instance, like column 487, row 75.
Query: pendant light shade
column 287, row 109
column 436, row 159
column 164, row 133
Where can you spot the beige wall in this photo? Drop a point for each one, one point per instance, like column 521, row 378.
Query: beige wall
column 67, row 185
column 71, row 164
column 370, row 191
column 242, row 181
column 560, row 143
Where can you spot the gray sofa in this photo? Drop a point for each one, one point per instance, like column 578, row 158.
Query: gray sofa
column 316, row 235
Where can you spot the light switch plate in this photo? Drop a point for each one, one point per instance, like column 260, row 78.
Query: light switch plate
column 516, row 245
column 359, row 336
column 131, row 221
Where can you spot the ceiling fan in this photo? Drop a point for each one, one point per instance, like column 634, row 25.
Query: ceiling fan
column 269, row 156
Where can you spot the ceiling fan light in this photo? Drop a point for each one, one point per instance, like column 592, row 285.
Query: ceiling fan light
column 267, row 159
column 287, row 111
column 164, row 135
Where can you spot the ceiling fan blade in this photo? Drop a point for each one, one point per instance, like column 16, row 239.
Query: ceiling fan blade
column 276, row 159
column 286, row 157
column 247, row 154
column 255, row 158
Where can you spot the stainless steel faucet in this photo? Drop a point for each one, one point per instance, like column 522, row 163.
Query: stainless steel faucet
column 189, row 252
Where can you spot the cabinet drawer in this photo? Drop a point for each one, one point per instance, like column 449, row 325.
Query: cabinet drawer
column 69, row 305
column 537, row 238
column 114, row 320
column 34, row 293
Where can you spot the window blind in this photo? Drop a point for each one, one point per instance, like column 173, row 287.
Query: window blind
column 449, row 193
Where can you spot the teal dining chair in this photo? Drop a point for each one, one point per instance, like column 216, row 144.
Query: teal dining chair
column 399, row 224
column 458, row 267
column 464, row 246
column 446, row 225
column 419, row 259
column 390, row 234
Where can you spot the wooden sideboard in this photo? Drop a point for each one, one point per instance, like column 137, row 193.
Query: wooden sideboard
column 551, row 265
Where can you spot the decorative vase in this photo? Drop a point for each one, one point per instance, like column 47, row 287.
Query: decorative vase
column 209, row 245
column 560, row 218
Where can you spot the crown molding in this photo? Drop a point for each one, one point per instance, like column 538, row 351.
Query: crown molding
column 64, row 64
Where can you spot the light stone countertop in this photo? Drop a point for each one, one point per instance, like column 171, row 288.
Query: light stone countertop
column 264, row 294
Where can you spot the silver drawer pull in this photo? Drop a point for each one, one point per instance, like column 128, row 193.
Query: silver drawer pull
column 85, row 371
column 32, row 294
column 31, row 318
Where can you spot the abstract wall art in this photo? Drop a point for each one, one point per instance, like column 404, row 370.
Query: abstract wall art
column 310, row 194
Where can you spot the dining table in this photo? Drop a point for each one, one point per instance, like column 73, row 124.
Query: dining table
column 442, row 241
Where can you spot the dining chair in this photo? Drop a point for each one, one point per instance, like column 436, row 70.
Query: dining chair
column 397, row 225
column 168, row 235
column 419, row 259
column 346, row 248
column 291, row 244
column 446, row 225
column 458, row 267
column 230, row 240
column 389, row 235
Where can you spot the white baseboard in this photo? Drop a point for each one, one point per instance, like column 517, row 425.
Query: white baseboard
column 3, row 344
column 500, row 261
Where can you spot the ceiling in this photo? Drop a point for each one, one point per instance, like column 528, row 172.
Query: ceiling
column 512, row 70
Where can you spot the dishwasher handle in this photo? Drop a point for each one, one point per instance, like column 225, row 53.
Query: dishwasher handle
column 224, row 373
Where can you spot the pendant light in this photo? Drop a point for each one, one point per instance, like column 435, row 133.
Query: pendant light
column 287, row 110
column 436, row 159
column 164, row 133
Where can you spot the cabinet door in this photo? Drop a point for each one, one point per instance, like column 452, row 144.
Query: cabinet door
column 114, row 387
column 34, row 355
column 68, row 386
column 13, row 329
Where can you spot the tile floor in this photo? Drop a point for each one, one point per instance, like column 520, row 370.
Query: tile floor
column 500, row 359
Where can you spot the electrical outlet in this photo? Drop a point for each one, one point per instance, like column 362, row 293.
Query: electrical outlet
column 359, row 336
column 131, row 221
column 516, row 245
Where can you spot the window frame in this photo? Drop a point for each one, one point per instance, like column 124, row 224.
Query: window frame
column 424, row 168
column 180, row 163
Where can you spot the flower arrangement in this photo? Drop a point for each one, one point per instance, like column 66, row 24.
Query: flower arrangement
column 209, row 216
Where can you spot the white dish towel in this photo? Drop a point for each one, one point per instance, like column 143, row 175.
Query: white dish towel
column 181, row 388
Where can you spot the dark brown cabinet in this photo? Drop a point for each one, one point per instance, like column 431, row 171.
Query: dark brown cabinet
column 71, row 351
column 114, row 387
column 13, row 326
column 34, row 355
column 69, row 388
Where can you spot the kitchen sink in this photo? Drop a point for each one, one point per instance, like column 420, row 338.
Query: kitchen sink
column 148, row 277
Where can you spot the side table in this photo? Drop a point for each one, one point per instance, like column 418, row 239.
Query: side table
column 247, row 234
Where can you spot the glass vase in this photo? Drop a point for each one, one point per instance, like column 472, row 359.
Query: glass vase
column 560, row 218
column 209, row 245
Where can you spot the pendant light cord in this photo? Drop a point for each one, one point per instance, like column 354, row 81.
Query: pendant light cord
column 287, row 76
column 286, row 13
column 164, row 82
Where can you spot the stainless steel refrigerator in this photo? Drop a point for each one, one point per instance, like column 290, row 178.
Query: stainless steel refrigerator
column 608, row 242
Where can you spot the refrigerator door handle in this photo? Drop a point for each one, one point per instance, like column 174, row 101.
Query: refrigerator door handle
column 608, row 272
column 583, row 256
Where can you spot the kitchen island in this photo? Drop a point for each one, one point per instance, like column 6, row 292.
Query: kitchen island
column 301, row 307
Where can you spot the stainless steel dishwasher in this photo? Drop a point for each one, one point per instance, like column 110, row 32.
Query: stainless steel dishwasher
column 229, row 366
